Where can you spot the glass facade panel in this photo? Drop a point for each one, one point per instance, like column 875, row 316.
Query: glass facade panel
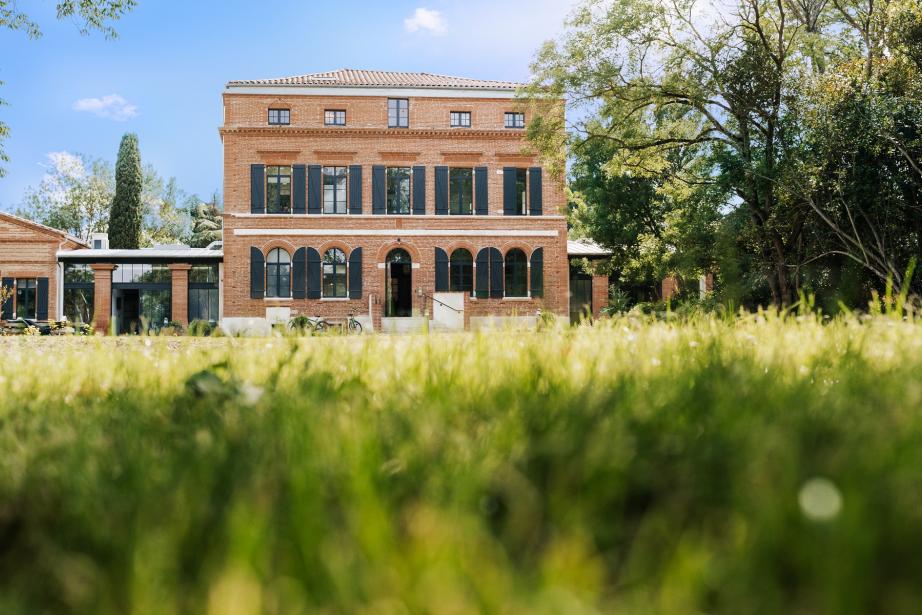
column 398, row 190
column 204, row 274
column 203, row 304
column 78, row 274
column 78, row 304
column 335, row 180
column 156, row 307
column 460, row 191
column 141, row 273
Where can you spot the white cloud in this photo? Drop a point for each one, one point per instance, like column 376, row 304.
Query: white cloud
column 425, row 19
column 111, row 107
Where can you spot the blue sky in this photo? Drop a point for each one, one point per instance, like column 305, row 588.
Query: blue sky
column 163, row 77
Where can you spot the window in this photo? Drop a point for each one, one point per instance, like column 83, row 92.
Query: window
column 25, row 298
column 521, row 176
column 514, row 120
column 279, row 117
column 278, row 274
column 203, row 293
column 78, row 293
column 334, row 189
column 398, row 190
column 278, row 190
column 398, row 113
column 141, row 273
column 460, row 119
column 334, row 117
column 516, row 274
column 97, row 244
column 461, row 271
column 460, row 191
column 334, row 274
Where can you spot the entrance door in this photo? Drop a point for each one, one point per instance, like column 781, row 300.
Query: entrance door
column 399, row 284
column 128, row 311
column 580, row 296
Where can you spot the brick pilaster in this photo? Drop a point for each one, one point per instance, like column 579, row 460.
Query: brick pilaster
column 180, row 292
column 102, row 296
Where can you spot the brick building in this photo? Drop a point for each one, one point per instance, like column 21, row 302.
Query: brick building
column 406, row 199
column 399, row 197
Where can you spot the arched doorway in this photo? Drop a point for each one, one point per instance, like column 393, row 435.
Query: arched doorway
column 398, row 284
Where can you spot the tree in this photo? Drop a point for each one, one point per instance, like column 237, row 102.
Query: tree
column 207, row 224
column 74, row 196
column 126, row 215
column 89, row 15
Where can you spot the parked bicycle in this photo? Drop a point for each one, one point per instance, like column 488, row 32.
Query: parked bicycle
column 302, row 324
column 352, row 325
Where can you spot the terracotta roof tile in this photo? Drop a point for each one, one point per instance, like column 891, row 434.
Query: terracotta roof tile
column 347, row 77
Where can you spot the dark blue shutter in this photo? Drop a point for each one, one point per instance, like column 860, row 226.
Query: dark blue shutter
column 313, row 274
column 41, row 299
column 419, row 191
column 509, row 191
column 314, row 188
column 378, row 190
column 298, row 273
column 257, row 274
column 355, row 189
column 482, row 282
column 535, row 199
column 355, row 274
column 257, row 189
column 298, row 188
column 7, row 312
column 441, row 191
column 441, row 270
column 496, row 274
column 537, row 273
column 481, row 207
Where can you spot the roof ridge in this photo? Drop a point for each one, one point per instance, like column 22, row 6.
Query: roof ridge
column 353, row 77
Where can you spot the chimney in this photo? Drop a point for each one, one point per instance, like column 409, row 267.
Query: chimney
column 99, row 241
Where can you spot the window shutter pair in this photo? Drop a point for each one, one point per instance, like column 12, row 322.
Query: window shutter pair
column 481, row 206
column 535, row 192
column 441, row 270
column 378, row 190
column 441, row 191
column 307, row 180
column 306, row 275
column 489, row 277
column 537, row 273
column 7, row 312
column 41, row 299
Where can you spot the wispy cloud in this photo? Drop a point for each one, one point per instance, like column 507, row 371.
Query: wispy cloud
column 427, row 20
column 112, row 107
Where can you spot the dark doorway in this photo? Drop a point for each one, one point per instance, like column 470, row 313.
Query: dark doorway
column 399, row 283
column 128, row 311
column 580, row 295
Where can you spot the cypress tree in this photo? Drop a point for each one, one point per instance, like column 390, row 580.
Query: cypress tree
column 125, row 214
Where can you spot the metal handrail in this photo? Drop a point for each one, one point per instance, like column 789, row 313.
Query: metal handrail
column 425, row 294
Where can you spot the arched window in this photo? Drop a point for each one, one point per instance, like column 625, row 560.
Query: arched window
column 278, row 273
column 334, row 273
column 461, row 271
column 516, row 273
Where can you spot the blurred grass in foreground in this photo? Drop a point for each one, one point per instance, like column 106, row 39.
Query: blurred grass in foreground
column 751, row 466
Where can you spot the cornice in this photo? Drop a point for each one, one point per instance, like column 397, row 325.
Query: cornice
column 505, row 135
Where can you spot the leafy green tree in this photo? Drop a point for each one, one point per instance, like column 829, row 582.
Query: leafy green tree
column 207, row 224
column 74, row 196
column 126, row 215
column 89, row 15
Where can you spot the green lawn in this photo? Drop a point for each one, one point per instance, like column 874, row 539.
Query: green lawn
column 754, row 466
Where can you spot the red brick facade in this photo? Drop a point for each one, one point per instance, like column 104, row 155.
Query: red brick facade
column 429, row 141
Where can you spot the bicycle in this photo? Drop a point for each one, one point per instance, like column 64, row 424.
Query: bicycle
column 352, row 325
column 303, row 323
